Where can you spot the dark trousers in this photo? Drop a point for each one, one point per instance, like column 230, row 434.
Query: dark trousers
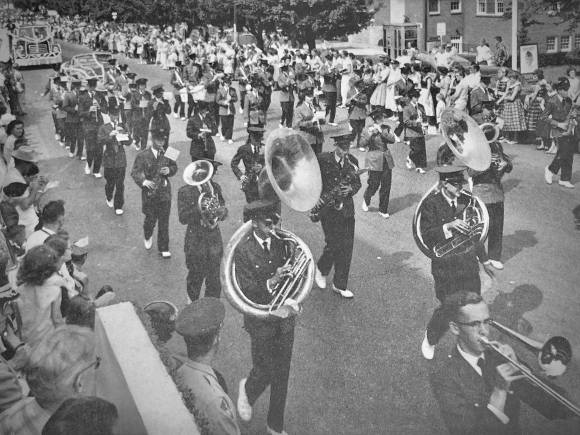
column 179, row 107
column 339, row 238
column 418, row 153
column 129, row 120
column 94, row 151
column 140, row 132
column 115, row 178
column 380, row 179
column 445, row 286
column 55, row 123
column 330, row 105
column 203, row 264
column 564, row 157
column 61, row 128
column 267, row 100
column 252, row 192
column 316, row 147
column 271, row 359
column 159, row 213
column 242, row 96
column 227, row 126
column 495, row 232
column 358, row 126
column 190, row 105
column 74, row 137
column 287, row 113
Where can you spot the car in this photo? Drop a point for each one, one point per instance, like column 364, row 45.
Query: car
column 88, row 65
column 32, row 44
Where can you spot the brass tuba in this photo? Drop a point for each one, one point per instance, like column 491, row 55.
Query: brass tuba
column 199, row 173
column 469, row 144
column 292, row 174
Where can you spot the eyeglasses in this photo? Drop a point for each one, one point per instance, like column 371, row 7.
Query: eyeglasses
column 96, row 364
column 271, row 221
column 477, row 323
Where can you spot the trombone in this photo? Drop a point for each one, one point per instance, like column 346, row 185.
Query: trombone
column 554, row 356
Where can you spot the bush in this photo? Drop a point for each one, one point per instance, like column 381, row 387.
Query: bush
column 557, row 59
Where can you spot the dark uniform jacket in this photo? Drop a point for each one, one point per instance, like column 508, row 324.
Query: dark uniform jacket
column 556, row 111
column 253, row 113
column 413, row 127
column 203, row 147
column 376, row 142
column 303, row 120
column 70, row 103
column 114, row 155
column 246, row 154
column 332, row 175
column 139, row 113
column 357, row 105
column 146, row 167
column 190, row 215
column 221, row 99
column 330, row 78
column 253, row 268
column 437, row 212
column 158, row 112
column 91, row 120
column 286, row 88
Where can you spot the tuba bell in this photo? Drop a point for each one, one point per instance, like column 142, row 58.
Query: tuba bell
column 465, row 141
column 292, row 175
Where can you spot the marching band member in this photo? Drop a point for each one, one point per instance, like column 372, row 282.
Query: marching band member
column 441, row 220
column 110, row 75
column 241, row 75
column 203, row 242
column 191, row 76
column 265, row 73
column 252, row 155
column 151, row 172
column 90, row 113
column 210, row 82
column 309, row 120
column 379, row 161
column 114, row 159
column 178, row 86
column 73, row 130
column 128, row 120
column 287, row 85
column 139, row 104
column 328, row 74
column 413, row 120
column 253, row 105
column 200, row 128
column 260, row 267
column 357, row 102
column 157, row 109
column 225, row 98
column 338, row 222
column 200, row 325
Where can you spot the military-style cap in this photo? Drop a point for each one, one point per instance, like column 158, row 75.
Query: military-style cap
column 141, row 81
column 76, row 83
column 123, row 67
column 56, row 81
column 284, row 66
column 201, row 317
column 311, row 72
column 343, row 140
column 452, row 174
column 92, row 82
column 264, row 61
column 260, row 209
column 132, row 75
column 443, row 69
column 157, row 89
column 112, row 61
column 256, row 130
column 192, row 56
column 132, row 85
column 178, row 63
column 309, row 92
column 378, row 113
column 414, row 93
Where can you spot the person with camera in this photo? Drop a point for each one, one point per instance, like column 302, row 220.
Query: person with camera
column 203, row 239
column 151, row 172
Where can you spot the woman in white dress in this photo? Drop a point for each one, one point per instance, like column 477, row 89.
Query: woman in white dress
column 426, row 99
column 379, row 96
column 394, row 77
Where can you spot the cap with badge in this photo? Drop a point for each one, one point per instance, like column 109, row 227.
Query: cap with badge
column 132, row 85
column 92, row 82
column 141, row 81
column 260, row 209
column 76, row 83
column 452, row 174
column 112, row 61
column 343, row 141
column 414, row 93
column 131, row 75
column 123, row 67
column 157, row 89
column 201, row 317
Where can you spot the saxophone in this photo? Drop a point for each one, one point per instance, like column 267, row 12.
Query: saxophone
column 571, row 121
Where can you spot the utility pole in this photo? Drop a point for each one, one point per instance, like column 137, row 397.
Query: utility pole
column 235, row 22
column 515, row 20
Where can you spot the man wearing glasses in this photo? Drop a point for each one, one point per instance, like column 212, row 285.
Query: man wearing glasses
column 259, row 260
column 442, row 220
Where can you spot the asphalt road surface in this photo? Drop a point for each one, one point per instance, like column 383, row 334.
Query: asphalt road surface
column 357, row 367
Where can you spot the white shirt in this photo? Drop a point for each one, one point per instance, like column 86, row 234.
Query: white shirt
column 37, row 238
column 261, row 241
column 472, row 360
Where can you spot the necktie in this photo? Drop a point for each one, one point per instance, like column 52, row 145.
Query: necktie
column 340, row 164
column 480, row 364
column 266, row 249
column 454, row 206
column 221, row 380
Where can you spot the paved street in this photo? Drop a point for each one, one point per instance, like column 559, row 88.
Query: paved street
column 357, row 367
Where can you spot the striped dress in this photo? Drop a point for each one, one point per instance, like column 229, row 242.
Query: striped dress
column 512, row 112
column 534, row 110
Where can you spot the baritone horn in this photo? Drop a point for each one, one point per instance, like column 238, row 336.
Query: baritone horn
column 292, row 174
column 199, row 173
column 468, row 144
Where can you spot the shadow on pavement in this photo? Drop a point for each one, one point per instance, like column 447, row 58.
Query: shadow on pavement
column 515, row 243
column 509, row 308
column 401, row 203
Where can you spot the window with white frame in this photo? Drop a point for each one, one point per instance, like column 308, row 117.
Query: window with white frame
column 577, row 41
column 433, row 7
column 455, row 6
column 490, row 7
column 457, row 42
column 565, row 43
column 551, row 44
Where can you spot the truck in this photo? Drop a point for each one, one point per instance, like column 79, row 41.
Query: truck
column 33, row 44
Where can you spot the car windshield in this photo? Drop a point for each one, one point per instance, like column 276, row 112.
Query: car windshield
column 36, row 32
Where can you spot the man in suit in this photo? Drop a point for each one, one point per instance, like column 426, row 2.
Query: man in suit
column 287, row 85
column 260, row 268
column 114, row 161
column 226, row 98
column 90, row 113
column 200, row 128
column 413, row 120
column 441, row 220
column 338, row 225
column 253, row 105
column 150, row 172
column 329, row 88
column 73, row 129
column 139, row 104
column 252, row 156
column 200, row 324
column 357, row 110
column 379, row 161
column 556, row 113
column 158, row 109
column 203, row 242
